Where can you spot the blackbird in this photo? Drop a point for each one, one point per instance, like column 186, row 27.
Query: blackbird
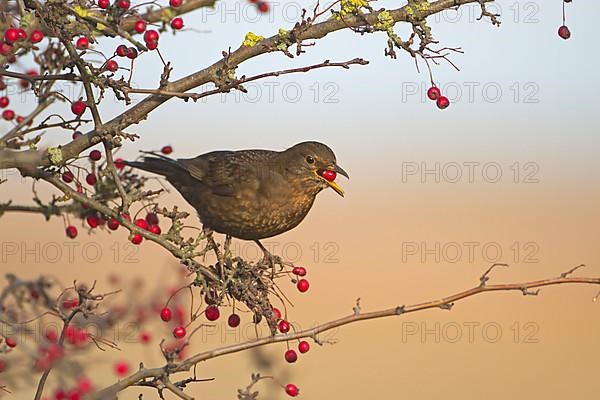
column 250, row 194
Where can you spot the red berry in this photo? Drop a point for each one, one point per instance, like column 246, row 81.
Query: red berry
column 152, row 45
column 179, row 332
column 111, row 65
column 121, row 50
column 140, row 26
column 132, row 53
column 152, row 218
column 233, row 320
column 141, row 223
column 166, row 314
column 113, row 224
column 78, row 107
column 5, row 48
column 8, row 114
column 93, row 221
column 76, row 134
column 4, row 101
column 68, row 177
column 442, row 102
column 82, row 43
column 119, row 163
column 123, row 4
column 137, row 238
column 212, row 313
column 292, row 390
column 155, row 229
column 145, row 337
column 329, row 175
column 121, row 368
column 11, row 342
column 20, row 119
column 433, row 93
column 151, row 36
column 52, row 335
column 263, row 6
column 563, row 32
column 177, row 23
column 71, row 232
column 291, row 356
column 70, row 303
column 300, row 271
column 302, row 285
column 91, row 179
column 95, row 155
column 103, row 3
column 22, row 34
column 84, row 385
column 175, row 3
column 11, row 35
column 276, row 314
column 167, row 150
column 284, row 326
column 303, row 347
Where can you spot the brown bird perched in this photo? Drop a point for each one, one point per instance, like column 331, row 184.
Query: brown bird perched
column 251, row 194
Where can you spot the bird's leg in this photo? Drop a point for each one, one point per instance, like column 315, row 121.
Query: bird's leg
column 271, row 259
column 227, row 250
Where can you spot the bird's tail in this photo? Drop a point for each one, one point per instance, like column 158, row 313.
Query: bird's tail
column 156, row 164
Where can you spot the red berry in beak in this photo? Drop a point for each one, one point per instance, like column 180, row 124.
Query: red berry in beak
column 329, row 175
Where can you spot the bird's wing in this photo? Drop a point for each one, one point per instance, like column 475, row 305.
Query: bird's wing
column 225, row 173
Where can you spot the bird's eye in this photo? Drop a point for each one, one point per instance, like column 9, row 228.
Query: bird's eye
column 310, row 160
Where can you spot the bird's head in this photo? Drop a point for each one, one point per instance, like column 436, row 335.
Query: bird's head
column 313, row 164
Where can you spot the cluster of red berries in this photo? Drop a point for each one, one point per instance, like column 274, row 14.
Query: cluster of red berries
column 93, row 219
column 291, row 356
column 261, row 5
column 302, row 285
column 13, row 37
column 563, row 30
column 82, row 388
column 150, row 224
column 48, row 355
column 120, row 4
column 77, row 336
column 435, row 94
column 166, row 315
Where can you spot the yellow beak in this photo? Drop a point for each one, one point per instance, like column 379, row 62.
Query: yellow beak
column 333, row 184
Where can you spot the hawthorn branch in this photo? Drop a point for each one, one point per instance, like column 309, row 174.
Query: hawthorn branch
column 156, row 15
column 134, row 115
column 96, row 205
column 444, row 303
column 236, row 83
